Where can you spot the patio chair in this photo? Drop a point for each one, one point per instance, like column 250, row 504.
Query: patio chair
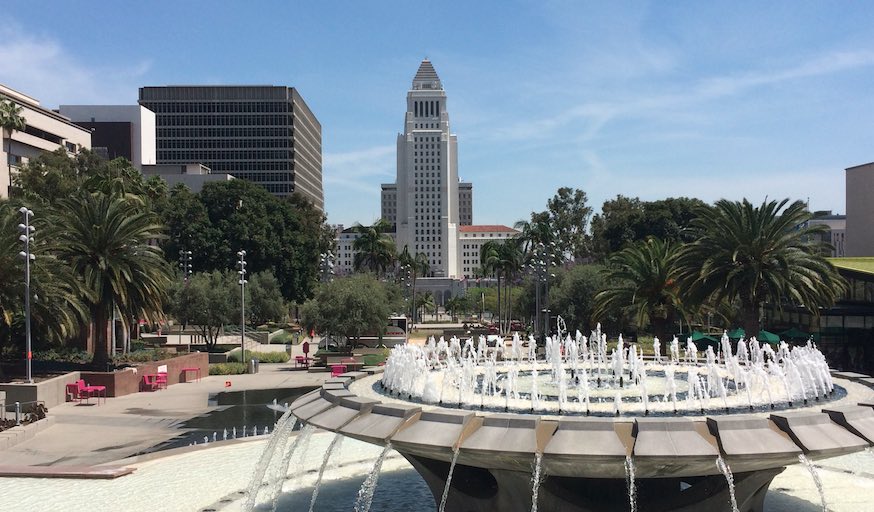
column 337, row 370
column 150, row 382
column 162, row 376
column 76, row 391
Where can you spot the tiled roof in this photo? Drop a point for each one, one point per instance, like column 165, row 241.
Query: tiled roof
column 498, row 228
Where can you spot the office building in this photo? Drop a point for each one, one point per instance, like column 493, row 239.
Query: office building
column 117, row 131
column 860, row 210
column 389, row 203
column 45, row 130
column 264, row 134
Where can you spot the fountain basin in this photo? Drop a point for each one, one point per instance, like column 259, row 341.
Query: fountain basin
column 497, row 450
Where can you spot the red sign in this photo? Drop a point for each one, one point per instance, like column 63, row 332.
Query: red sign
column 306, row 347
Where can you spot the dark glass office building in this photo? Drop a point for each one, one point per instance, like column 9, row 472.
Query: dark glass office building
column 264, row 134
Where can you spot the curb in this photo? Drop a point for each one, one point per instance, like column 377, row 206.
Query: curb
column 12, row 436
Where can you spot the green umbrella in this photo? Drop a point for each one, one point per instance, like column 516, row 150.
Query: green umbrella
column 698, row 336
column 736, row 334
column 794, row 334
column 768, row 337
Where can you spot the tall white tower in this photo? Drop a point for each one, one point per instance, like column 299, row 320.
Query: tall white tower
column 427, row 181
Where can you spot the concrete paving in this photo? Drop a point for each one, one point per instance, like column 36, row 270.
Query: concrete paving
column 121, row 427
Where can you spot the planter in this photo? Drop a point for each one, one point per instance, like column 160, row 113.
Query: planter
column 130, row 380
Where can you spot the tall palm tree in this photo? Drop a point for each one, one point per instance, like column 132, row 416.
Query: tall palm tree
column 510, row 261
column 56, row 309
column 756, row 254
column 106, row 242
column 418, row 265
column 11, row 120
column 490, row 263
column 642, row 277
column 374, row 248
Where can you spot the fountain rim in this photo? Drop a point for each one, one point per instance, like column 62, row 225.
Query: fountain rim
column 691, row 443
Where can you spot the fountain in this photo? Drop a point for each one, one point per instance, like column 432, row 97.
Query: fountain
column 502, row 420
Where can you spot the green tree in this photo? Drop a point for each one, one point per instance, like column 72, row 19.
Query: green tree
column 280, row 235
column 106, row 241
column 751, row 255
column 11, row 120
column 417, row 265
column 642, row 278
column 624, row 220
column 56, row 308
column 208, row 301
column 264, row 302
column 374, row 248
column 573, row 296
column 353, row 306
column 569, row 216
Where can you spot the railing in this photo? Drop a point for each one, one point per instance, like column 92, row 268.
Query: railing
column 17, row 410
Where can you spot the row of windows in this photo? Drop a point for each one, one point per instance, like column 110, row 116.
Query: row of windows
column 226, row 132
column 233, row 167
column 218, row 154
column 425, row 125
column 225, row 120
column 426, row 108
column 208, row 107
column 283, row 142
column 424, row 139
column 264, row 176
column 278, row 188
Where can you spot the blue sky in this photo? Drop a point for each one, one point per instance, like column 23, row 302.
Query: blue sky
column 701, row 99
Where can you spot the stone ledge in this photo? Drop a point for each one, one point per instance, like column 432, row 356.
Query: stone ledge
column 12, row 436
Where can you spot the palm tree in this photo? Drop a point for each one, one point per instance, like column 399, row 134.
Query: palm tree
column 417, row 264
column 751, row 255
column 56, row 309
column 106, row 242
column 642, row 277
column 11, row 120
column 490, row 263
column 510, row 260
column 374, row 248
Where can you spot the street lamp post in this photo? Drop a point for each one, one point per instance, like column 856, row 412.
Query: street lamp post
column 185, row 265
column 27, row 238
column 242, row 264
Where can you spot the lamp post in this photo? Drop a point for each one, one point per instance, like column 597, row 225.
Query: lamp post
column 242, row 264
column 26, row 237
column 326, row 263
column 185, row 265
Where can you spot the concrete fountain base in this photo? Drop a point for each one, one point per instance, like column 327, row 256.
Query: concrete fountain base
column 583, row 459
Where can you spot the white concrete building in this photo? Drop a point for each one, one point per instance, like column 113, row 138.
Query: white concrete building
column 45, row 130
column 470, row 242
column 126, row 131
column 427, row 176
column 836, row 233
column 193, row 176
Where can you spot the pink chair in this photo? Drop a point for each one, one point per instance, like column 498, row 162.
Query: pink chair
column 150, row 382
column 337, row 370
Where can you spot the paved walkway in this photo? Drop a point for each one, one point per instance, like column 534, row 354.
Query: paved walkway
column 124, row 426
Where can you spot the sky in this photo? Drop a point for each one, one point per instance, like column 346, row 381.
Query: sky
column 664, row 99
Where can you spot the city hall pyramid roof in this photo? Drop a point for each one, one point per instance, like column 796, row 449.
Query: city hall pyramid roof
column 426, row 74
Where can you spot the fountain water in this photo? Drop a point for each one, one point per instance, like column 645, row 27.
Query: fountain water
column 815, row 475
column 629, row 479
column 365, row 494
column 729, row 479
column 448, row 480
column 264, row 460
column 335, row 443
column 536, row 480
column 302, row 439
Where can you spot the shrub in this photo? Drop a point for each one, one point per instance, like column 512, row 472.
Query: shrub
column 264, row 357
column 227, row 369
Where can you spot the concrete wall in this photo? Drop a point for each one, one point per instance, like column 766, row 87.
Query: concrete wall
column 860, row 210
column 125, row 382
column 51, row 391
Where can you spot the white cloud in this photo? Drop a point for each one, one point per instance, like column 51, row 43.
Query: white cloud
column 41, row 67
column 356, row 169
